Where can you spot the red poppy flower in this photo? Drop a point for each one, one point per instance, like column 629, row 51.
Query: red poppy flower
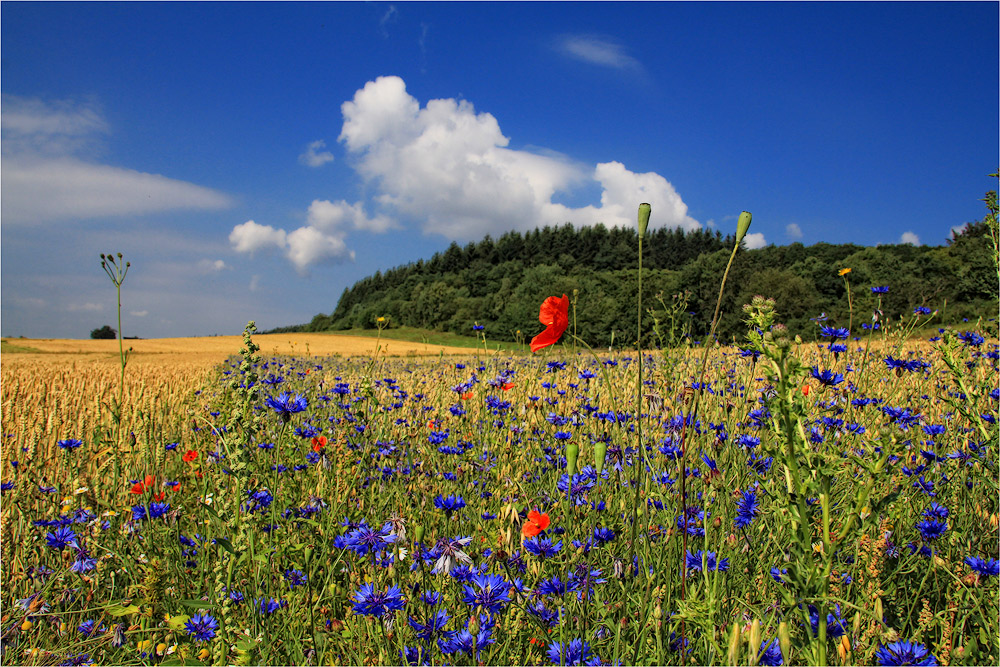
column 319, row 443
column 508, row 386
column 467, row 395
column 137, row 488
column 190, row 455
column 158, row 497
column 554, row 314
column 537, row 522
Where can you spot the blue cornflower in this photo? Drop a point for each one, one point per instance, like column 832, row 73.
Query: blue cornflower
column 71, row 443
column 365, row 539
column 884, row 289
column 549, row 617
column 904, row 653
column 371, row 602
column 88, row 628
column 285, row 405
column 295, row 578
column 747, row 508
column 450, row 504
column 835, row 625
column 575, row 652
column 827, row 378
column 83, row 562
column 434, row 627
column 921, row 310
column 61, row 538
column 985, row 568
column 925, row 486
column 553, row 586
column 971, row 338
column 489, row 592
column 694, row 561
column 936, row 511
column 464, row 641
column 413, row 655
column 931, row 529
column 201, row 627
column 542, row 547
column 269, row 605
column 770, row 653
column 156, row 510
column 603, row 535
column 836, row 334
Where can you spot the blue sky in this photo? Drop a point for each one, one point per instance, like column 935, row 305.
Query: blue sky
column 252, row 160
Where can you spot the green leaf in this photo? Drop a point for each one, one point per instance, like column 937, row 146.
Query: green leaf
column 177, row 622
column 119, row 610
column 225, row 544
column 196, row 604
column 208, row 508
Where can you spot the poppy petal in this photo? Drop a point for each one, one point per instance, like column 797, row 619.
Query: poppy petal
column 544, row 339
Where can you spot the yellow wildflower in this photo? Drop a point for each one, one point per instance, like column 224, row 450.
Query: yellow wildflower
column 844, row 272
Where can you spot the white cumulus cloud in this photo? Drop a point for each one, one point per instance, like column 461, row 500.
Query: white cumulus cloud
column 449, row 167
column 315, row 156
column 251, row 237
column 320, row 240
column 308, row 245
column 793, row 231
column 909, row 237
column 139, row 313
column 330, row 216
column 754, row 241
column 45, row 174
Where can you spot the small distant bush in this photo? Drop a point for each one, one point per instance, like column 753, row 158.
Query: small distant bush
column 104, row 333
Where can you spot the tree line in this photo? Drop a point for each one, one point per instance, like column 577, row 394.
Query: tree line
column 500, row 283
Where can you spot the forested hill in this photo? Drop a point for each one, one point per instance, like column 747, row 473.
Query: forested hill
column 500, row 283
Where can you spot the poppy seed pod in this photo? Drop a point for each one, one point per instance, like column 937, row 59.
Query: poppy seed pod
column 418, row 534
column 644, row 210
column 572, row 454
column 600, row 453
column 743, row 225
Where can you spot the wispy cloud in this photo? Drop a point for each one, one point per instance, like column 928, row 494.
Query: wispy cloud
column 315, row 156
column 48, row 171
column 391, row 16
column 597, row 50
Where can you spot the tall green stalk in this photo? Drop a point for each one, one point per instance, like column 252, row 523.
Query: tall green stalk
column 741, row 231
column 116, row 271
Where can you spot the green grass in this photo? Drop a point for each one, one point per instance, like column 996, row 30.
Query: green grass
column 6, row 347
column 430, row 337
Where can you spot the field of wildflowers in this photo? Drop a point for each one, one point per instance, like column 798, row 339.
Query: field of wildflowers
column 771, row 502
